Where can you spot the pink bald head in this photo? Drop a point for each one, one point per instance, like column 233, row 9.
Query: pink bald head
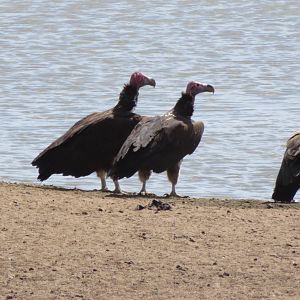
column 193, row 88
column 139, row 80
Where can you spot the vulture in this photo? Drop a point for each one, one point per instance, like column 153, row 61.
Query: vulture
column 160, row 143
column 91, row 144
column 288, row 178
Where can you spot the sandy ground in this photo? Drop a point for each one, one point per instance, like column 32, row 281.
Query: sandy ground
column 72, row 244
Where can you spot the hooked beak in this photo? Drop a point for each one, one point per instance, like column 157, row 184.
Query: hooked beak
column 150, row 81
column 210, row 88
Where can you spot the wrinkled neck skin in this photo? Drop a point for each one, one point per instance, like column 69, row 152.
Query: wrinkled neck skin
column 128, row 99
column 184, row 106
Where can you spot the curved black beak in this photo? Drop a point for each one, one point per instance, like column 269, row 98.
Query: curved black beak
column 210, row 88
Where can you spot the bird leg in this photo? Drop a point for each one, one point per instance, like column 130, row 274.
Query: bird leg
column 144, row 175
column 102, row 175
column 173, row 174
column 117, row 189
column 173, row 192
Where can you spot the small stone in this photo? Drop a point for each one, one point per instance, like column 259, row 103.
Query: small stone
column 100, row 209
column 180, row 268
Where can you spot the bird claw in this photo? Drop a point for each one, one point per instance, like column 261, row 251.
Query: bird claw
column 166, row 195
column 115, row 191
column 146, row 194
column 174, row 195
column 119, row 192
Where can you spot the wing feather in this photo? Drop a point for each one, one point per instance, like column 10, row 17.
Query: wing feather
column 91, row 144
column 290, row 167
column 293, row 147
column 157, row 143
column 76, row 129
column 288, row 178
column 143, row 133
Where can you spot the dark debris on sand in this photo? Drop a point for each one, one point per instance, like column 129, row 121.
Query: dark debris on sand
column 157, row 205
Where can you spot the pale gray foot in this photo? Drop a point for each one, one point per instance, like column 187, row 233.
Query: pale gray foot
column 146, row 194
column 143, row 191
column 174, row 194
column 117, row 189
column 102, row 176
column 144, row 175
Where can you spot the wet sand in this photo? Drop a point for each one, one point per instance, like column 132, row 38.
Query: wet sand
column 72, row 244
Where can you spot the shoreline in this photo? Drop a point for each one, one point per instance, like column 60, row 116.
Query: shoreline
column 134, row 194
column 59, row 243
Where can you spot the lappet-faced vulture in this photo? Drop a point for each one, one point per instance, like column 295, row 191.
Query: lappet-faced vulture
column 288, row 178
column 91, row 144
column 160, row 143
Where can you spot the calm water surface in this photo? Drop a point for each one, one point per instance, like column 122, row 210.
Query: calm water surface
column 61, row 60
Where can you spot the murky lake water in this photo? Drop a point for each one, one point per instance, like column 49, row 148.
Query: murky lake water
column 61, row 60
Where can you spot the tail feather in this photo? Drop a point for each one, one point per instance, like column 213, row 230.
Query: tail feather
column 43, row 175
column 126, row 167
column 63, row 161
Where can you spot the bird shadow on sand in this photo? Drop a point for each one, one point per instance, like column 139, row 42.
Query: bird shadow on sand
column 62, row 189
column 146, row 196
column 110, row 194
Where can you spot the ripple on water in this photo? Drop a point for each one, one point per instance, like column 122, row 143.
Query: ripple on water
column 61, row 61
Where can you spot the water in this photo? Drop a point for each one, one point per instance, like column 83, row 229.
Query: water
column 61, row 60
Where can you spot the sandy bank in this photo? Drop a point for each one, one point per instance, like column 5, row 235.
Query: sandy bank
column 71, row 244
